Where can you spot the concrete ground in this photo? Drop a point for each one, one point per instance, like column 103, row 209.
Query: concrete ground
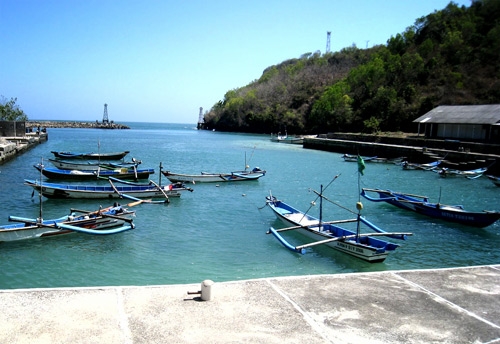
column 459, row 305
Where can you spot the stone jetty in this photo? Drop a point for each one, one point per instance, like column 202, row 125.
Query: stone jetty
column 74, row 124
column 12, row 146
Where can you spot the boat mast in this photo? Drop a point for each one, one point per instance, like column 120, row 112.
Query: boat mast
column 159, row 176
column 40, row 219
column 320, row 206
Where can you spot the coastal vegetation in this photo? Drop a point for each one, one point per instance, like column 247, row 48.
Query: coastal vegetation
column 10, row 111
column 449, row 57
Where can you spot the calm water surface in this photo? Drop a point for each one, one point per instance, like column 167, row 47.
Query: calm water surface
column 218, row 231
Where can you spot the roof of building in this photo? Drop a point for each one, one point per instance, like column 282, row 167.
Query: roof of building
column 463, row 114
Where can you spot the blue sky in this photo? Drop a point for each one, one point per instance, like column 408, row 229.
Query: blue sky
column 160, row 61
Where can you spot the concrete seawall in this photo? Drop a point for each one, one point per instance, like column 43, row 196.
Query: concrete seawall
column 10, row 147
column 455, row 156
column 459, row 305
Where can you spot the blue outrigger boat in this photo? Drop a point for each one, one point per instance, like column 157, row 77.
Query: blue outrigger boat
column 129, row 190
column 90, row 155
column 363, row 246
column 421, row 205
column 120, row 173
column 101, row 222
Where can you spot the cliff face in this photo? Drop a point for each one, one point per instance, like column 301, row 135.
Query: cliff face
column 73, row 124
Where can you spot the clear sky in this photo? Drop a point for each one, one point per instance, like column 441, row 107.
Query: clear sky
column 160, row 61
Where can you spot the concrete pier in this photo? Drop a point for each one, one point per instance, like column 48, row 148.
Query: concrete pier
column 457, row 154
column 10, row 146
column 460, row 305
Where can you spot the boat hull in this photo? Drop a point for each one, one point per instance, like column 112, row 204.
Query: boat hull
column 51, row 190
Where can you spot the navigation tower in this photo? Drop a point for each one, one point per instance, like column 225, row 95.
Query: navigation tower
column 105, row 116
column 328, row 34
column 200, row 119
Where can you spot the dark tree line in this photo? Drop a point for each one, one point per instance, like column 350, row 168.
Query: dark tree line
column 449, row 57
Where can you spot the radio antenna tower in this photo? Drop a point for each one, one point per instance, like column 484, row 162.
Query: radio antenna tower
column 328, row 34
column 105, row 116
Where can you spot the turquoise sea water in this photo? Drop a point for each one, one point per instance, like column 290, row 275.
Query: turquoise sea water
column 218, row 231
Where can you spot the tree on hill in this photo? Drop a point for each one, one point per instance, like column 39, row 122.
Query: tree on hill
column 448, row 57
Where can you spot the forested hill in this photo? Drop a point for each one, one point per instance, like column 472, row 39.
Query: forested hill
column 448, row 57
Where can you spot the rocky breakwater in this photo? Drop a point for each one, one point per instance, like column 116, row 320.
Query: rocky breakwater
column 34, row 125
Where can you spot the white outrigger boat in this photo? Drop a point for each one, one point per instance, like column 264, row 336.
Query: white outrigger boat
column 205, row 177
column 352, row 242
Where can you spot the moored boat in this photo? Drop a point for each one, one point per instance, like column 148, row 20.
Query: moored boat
column 93, row 166
column 471, row 174
column 90, row 155
column 205, row 177
column 375, row 159
column 414, row 166
column 133, row 191
column 120, row 173
column 288, row 139
column 363, row 246
column 107, row 221
column 421, row 205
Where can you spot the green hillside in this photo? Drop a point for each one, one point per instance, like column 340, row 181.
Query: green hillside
column 449, row 57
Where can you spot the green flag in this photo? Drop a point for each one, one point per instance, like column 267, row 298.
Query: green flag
column 361, row 165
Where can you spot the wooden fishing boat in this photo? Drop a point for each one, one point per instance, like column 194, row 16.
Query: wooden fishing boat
column 421, row 205
column 93, row 166
column 120, row 173
column 288, row 139
column 205, row 177
column 107, row 221
column 90, row 155
column 471, row 174
column 127, row 190
column 375, row 159
column 414, row 166
column 363, row 246
column 495, row 180
column 354, row 158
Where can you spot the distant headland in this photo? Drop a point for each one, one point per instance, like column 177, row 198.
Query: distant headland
column 75, row 124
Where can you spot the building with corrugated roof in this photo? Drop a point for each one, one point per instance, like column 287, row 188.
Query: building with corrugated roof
column 462, row 122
